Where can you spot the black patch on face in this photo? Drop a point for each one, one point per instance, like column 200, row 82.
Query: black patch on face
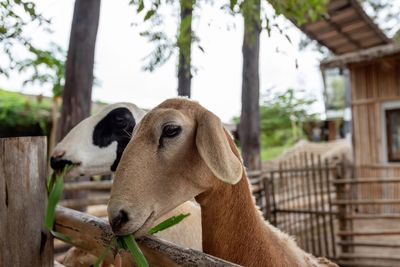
column 116, row 126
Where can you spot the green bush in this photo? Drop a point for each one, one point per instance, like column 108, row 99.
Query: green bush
column 21, row 110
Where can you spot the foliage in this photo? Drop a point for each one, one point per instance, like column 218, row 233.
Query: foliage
column 269, row 153
column 20, row 110
column 17, row 17
column 385, row 13
column 281, row 118
column 166, row 47
column 335, row 92
column 48, row 67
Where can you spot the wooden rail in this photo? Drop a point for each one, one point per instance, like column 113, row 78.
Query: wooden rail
column 358, row 216
column 366, row 180
column 369, row 233
column 366, row 201
column 93, row 235
column 369, row 244
column 77, row 203
column 92, row 185
column 360, row 256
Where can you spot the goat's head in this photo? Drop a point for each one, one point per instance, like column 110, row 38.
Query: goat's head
column 96, row 144
column 178, row 151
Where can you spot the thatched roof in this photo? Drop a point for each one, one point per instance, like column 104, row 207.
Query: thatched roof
column 346, row 28
column 361, row 56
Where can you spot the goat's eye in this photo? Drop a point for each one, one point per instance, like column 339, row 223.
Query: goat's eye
column 170, row 131
column 120, row 121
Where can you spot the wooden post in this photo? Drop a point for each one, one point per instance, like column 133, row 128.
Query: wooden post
column 23, row 198
column 268, row 197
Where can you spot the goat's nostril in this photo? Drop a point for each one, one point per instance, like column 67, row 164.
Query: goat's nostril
column 119, row 221
column 58, row 153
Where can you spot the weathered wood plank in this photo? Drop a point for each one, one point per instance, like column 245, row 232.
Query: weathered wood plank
column 88, row 185
column 79, row 203
column 23, row 198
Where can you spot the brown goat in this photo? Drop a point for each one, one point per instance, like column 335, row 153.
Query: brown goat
column 179, row 151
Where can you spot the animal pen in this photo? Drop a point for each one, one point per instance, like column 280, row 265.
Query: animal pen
column 311, row 198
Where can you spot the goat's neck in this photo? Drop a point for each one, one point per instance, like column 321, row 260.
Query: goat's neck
column 234, row 230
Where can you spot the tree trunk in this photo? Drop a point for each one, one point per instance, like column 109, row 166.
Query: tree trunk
column 77, row 93
column 249, row 128
column 184, row 46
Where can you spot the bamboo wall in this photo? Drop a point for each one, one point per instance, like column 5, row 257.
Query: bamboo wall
column 372, row 85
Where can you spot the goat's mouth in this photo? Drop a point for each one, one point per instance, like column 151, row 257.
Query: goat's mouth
column 70, row 170
column 141, row 231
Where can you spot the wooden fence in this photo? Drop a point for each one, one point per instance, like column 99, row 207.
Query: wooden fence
column 297, row 198
column 331, row 212
column 24, row 241
column 368, row 234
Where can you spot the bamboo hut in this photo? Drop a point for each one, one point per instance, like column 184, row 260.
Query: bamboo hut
column 375, row 102
column 370, row 62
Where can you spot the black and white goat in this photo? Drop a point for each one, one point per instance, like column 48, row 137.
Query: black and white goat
column 95, row 146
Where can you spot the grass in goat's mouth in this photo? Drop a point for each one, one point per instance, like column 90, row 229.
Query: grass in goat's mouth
column 55, row 186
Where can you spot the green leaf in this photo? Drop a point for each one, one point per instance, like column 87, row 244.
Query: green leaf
column 102, row 256
column 54, row 197
column 50, row 183
column 149, row 14
column 140, row 6
column 135, row 251
column 232, row 4
column 60, row 236
column 168, row 223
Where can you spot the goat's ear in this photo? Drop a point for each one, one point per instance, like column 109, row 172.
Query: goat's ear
column 217, row 149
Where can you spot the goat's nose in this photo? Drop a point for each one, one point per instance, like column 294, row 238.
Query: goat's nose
column 58, row 153
column 57, row 163
column 119, row 221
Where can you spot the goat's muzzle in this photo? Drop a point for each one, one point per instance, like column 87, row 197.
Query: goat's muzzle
column 119, row 221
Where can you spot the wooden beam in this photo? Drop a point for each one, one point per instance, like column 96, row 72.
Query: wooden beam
column 358, row 263
column 367, row 180
column 93, row 235
column 369, row 244
column 86, row 185
column 370, row 233
column 360, row 256
column 337, row 5
column 358, row 216
column 365, row 201
column 84, row 202
column 361, row 56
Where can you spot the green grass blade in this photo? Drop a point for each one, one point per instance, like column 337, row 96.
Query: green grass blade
column 60, row 236
column 50, row 183
column 102, row 256
column 168, row 223
column 54, row 197
column 135, row 251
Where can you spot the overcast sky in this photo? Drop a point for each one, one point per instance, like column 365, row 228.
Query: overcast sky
column 217, row 84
